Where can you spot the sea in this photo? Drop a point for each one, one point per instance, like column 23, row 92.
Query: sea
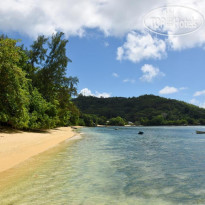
column 113, row 166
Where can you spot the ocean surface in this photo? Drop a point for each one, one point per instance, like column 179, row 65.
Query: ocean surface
column 166, row 165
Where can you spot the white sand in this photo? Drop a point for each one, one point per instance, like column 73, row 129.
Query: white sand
column 18, row 147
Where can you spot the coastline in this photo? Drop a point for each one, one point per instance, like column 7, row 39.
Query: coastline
column 19, row 146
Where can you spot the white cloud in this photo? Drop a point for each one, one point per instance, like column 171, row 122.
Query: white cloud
column 35, row 17
column 115, row 75
column 197, row 102
column 150, row 72
column 120, row 53
column 128, row 80
column 87, row 92
column 141, row 46
column 171, row 90
column 198, row 93
column 168, row 90
column 112, row 17
column 195, row 39
column 104, row 95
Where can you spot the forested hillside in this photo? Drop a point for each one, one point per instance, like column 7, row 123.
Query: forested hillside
column 144, row 110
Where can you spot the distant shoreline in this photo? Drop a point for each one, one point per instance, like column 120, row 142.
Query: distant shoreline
column 16, row 147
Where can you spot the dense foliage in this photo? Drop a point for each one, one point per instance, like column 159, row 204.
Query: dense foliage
column 116, row 121
column 14, row 92
column 143, row 110
column 34, row 90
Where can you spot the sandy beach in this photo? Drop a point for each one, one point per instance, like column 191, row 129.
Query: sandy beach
column 18, row 146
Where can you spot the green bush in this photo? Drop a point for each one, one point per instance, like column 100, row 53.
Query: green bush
column 118, row 121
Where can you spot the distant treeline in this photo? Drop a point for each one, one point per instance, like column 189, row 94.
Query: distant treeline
column 34, row 90
column 143, row 110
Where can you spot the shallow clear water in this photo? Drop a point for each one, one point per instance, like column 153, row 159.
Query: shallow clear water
column 166, row 165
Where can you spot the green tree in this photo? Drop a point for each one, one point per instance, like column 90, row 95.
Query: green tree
column 157, row 120
column 14, row 95
column 37, row 56
column 88, row 120
column 43, row 114
column 48, row 63
column 118, row 121
column 51, row 63
column 102, row 120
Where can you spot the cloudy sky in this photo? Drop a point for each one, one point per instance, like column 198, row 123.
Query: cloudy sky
column 114, row 50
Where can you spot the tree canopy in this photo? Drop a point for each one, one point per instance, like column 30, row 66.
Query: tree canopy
column 35, row 91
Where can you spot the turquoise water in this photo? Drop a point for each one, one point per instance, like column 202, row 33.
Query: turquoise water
column 166, row 165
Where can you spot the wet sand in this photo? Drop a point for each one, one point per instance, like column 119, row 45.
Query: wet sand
column 17, row 147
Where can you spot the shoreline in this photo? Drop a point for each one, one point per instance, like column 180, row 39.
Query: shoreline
column 17, row 147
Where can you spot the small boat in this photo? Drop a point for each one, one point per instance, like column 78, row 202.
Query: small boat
column 200, row 132
column 140, row 133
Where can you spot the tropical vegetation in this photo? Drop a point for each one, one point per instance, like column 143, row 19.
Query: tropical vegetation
column 143, row 110
column 35, row 91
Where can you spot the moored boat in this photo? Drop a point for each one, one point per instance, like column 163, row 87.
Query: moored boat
column 200, row 132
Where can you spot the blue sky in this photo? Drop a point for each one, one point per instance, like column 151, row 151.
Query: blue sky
column 111, row 51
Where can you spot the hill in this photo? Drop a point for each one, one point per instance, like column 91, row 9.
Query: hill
column 144, row 110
